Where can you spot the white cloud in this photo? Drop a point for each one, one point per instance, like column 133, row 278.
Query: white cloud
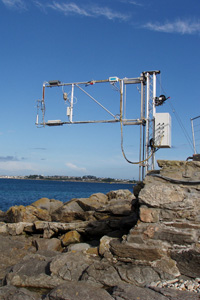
column 135, row 3
column 87, row 11
column 108, row 13
column 131, row 2
column 39, row 5
column 70, row 8
column 179, row 26
column 74, row 167
column 14, row 3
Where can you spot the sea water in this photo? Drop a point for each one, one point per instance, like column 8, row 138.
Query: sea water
column 24, row 192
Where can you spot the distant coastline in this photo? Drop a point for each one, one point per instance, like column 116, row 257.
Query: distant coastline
column 86, row 178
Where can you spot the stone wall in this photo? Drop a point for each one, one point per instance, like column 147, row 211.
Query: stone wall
column 167, row 235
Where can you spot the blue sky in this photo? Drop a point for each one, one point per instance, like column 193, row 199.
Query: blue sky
column 75, row 41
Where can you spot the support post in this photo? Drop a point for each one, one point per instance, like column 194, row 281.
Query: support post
column 71, row 103
column 147, row 122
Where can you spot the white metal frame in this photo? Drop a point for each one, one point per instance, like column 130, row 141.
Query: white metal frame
column 147, row 82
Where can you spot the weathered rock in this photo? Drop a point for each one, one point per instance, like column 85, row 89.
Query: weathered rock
column 104, row 247
column 180, row 170
column 167, row 267
column 109, row 224
column 92, row 251
column 148, row 251
column 173, row 294
column 176, row 236
column 188, row 261
column 70, row 212
column 12, row 250
column 101, row 274
column 149, row 215
column 78, row 291
column 32, row 271
column 53, row 244
column 137, row 188
column 80, row 209
column 2, row 216
column 169, row 217
column 161, row 194
column 96, row 229
column 70, row 266
column 139, row 275
column 155, row 239
column 49, row 204
column 12, row 293
column 117, row 207
column 94, row 202
column 70, row 237
column 163, row 232
column 173, row 189
column 78, row 247
column 120, row 194
column 3, row 227
column 60, row 227
column 26, row 214
column 132, row 292
column 19, row 228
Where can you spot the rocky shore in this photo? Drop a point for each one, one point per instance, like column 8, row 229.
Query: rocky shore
column 119, row 246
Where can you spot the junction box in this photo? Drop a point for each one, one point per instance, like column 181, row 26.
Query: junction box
column 162, row 130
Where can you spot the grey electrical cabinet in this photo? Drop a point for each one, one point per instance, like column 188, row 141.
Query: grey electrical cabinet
column 162, row 130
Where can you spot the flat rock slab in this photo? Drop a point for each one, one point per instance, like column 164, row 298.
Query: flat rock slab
column 173, row 294
column 78, row 291
column 133, row 292
column 13, row 293
column 12, row 250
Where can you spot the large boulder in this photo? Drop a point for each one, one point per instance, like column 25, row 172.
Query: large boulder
column 80, row 209
column 28, row 213
column 94, row 202
column 49, row 204
column 70, row 212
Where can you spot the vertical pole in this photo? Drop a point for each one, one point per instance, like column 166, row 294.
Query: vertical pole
column 153, row 119
column 141, row 128
column 194, row 146
column 144, row 126
column 71, row 102
column 147, row 122
column 121, row 98
column 154, row 94
column 43, row 103
column 124, row 101
column 37, row 119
